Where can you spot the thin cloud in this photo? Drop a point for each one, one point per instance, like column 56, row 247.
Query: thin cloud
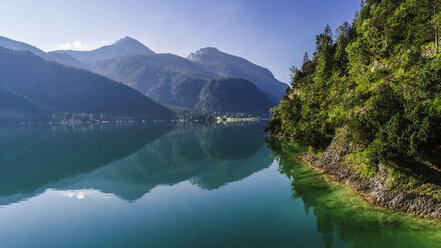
column 65, row 46
column 77, row 45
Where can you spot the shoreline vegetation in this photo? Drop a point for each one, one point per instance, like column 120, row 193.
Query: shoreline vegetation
column 377, row 194
column 368, row 105
column 374, row 190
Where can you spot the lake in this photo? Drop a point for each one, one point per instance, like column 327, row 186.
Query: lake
column 180, row 185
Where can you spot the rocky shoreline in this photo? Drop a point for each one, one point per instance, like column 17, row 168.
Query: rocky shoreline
column 375, row 190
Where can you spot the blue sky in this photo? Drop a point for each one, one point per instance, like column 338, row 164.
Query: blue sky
column 272, row 33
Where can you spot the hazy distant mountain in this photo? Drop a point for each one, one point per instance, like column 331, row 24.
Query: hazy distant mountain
column 17, row 45
column 226, row 65
column 165, row 61
column 233, row 95
column 173, row 80
column 166, row 78
column 59, row 88
column 139, row 70
column 178, row 82
column 65, row 59
column 59, row 58
column 123, row 47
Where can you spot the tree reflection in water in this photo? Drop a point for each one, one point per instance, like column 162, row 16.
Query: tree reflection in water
column 342, row 214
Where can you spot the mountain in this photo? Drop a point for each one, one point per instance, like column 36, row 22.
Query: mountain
column 233, row 95
column 19, row 46
column 59, row 58
column 180, row 83
column 15, row 108
column 164, row 61
column 65, row 59
column 166, row 78
column 123, row 47
column 226, row 65
column 58, row 88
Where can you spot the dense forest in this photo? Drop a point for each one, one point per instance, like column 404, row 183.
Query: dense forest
column 375, row 83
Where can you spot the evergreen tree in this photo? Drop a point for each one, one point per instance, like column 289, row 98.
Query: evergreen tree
column 379, row 79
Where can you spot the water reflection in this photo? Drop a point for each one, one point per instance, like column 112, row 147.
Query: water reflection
column 342, row 215
column 175, row 185
column 36, row 155
column 125, row 160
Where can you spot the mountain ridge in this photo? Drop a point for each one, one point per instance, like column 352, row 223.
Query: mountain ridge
column 166, row 78
column 122, row 47
column 177, row 82
column 59, row 58
column 60, row 88
column 226, row 65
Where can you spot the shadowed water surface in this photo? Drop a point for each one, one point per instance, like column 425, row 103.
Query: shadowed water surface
column 169, row 185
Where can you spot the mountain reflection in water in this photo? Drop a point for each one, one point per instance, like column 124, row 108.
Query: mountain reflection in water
column 125, row 160
column 180, row 185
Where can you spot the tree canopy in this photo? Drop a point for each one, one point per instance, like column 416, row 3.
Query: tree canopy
column 379, row 80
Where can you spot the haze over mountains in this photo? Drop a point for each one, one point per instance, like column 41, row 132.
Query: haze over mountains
column 59, row 58
column 184, row 84
column 56, row 88
column 226, row 65
column 233, row 94
column 123, row 47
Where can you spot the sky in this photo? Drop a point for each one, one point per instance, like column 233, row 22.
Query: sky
column 271, row 33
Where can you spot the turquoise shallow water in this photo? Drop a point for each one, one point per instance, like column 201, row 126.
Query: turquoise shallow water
column 166, row 185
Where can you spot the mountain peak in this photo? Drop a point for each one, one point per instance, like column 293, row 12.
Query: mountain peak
column 126, row 39
column 203, row 51
column 126, row 46
column 226, row 65
column 208, row 49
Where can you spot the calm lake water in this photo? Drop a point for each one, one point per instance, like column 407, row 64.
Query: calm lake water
column 168, row 185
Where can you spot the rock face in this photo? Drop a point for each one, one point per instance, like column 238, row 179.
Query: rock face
column 375, row 189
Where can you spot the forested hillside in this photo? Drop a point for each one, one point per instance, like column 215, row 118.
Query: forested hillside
column 31, row 84
column 233, row 95
column 227, row 65
column 14, row 107
column 181, row 84
column 374, row 84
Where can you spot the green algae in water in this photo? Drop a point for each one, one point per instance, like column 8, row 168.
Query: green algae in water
column 342, row 214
